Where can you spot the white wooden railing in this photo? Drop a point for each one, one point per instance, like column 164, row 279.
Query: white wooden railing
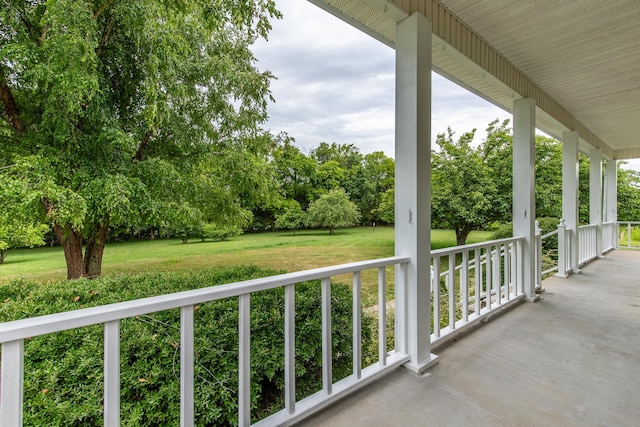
column 587, row 238
column 609, row 236
column 13, row 334
column 477, row 280
column 626, row 228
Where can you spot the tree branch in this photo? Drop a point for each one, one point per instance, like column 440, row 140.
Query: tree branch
column 9, row 104
column 145, row 142
column 105, row 36
column 102, row 8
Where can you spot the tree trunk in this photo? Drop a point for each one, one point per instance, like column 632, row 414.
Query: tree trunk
column 3, row 254
column 95, row 250
column 331, row 231
column 461, row 235
column 71, row 242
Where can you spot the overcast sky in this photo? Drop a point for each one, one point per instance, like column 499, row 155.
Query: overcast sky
column 336, row 84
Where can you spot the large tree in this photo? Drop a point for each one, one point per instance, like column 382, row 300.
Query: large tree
column 333, row 210
column 463, row 186
column 117, row 113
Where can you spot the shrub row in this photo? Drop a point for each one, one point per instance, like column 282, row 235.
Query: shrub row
column 64, row 371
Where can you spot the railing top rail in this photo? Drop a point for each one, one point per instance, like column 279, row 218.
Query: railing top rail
column 585, row 227
column 454, row 249
column 551, row 233
column 35, row 326
column 629, row 222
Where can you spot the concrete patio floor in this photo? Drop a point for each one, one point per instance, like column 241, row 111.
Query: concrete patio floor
column 571, row 359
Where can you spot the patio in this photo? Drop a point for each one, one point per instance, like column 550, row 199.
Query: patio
column 572, row 358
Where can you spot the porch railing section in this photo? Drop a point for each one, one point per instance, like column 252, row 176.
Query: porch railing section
column 471, row 281
column 626, row 231
column 587, row 238
column 609, row 236
column 549, row 263
column 13, row 334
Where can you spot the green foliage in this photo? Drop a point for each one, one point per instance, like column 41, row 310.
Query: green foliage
column 219, row 233
column 116, row 112
column 628, row 194
column 293, row 218
column 387, row 210
column 63, row 371
column 464, row 190
column 333, row 210
column 19, row 226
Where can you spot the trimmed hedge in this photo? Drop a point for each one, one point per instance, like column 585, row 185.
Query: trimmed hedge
column 63, row 372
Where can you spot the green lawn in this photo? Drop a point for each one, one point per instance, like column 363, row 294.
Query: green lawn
column 273, row 250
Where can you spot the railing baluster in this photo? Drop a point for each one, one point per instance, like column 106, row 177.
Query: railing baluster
column 489, row 284
column 357, row 324
column 507, row 270
column 112, row 374
column 382, row 315
column 244, row 360
column 464, row 285
column 401, row 339
column 327, row 368
column 478, row 279
column 290, row 349
column 629, row 235
column 451, row 288
column 186, row 366
column 496, row 273
column 436, row 296
column 12, row 379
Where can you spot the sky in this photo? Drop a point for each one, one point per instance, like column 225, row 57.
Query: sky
column 337, row 84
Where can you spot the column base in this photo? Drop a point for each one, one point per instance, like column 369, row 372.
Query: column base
column 533, row 298
column 420, row 368
column 562, row 275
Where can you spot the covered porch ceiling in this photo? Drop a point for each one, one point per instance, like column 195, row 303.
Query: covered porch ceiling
column 579, row 60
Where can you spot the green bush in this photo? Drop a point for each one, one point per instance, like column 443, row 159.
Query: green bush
column 219, row 233
column 63, row 371
column 502, row 231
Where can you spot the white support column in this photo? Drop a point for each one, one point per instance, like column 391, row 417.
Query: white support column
column 611, row 191
column 413, row 182
column 611, row 198
column 570, row 201
column 595, row 195
column 524, row 200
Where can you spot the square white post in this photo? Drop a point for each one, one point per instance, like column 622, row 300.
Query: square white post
column 595, row 195
column 611, row 198
column 570, row 200
column 413, row 182
column 524, row 200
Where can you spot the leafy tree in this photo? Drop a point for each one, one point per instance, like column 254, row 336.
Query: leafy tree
column 347, row 156
column 369, row 182
column 463, row 187
column 628, row 194
column 329, row 176
column 113, row 110
column 292, row 219
column 333, row 210
column 295, row 171
column 19, row 227
column 387, row 208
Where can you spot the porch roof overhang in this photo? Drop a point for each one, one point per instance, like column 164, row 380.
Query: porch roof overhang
column 579, row 60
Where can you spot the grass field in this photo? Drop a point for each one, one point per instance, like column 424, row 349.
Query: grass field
column 274, row 250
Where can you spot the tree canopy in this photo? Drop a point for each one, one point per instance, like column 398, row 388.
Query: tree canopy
column 120, row 114
column 333, row 210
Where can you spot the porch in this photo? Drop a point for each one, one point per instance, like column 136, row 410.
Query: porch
column 573, row 358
